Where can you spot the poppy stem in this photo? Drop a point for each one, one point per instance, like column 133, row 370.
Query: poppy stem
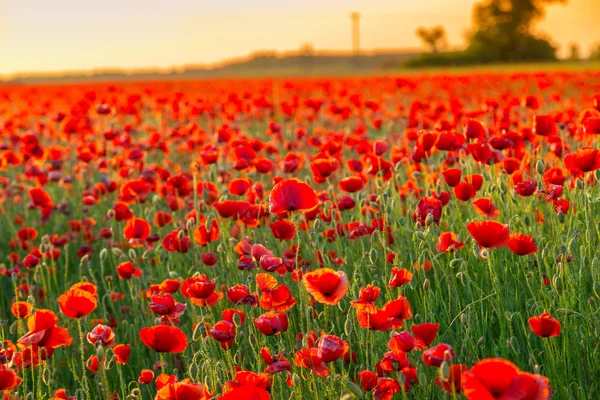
column 162, row 362
column 82, row 353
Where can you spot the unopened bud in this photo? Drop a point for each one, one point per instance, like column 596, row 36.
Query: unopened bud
column 540, row 167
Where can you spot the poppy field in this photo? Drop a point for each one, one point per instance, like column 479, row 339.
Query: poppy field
column 418, row 237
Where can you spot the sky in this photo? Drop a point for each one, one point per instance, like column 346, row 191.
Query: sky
column 59, row 35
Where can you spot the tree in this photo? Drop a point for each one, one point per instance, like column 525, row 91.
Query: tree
column 574, row 53
column 595, row 52
column 503, row 31
column 434, row 37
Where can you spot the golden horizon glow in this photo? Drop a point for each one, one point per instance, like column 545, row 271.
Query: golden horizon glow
column 71, row 35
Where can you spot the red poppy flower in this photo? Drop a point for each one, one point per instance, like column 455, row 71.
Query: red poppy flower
column 485, row 207
column 473, row 129
column 198, row 287
column 400, row 277
column 480, row 151
column 146, row 377
column 27, row 234
column 166, row 306
column 425, row 334
column 526, row 188
column 184, row 390
column 543, row 125
column 283, row 229
column 239, row 186
column 101, row 334
column 386, row 389
column 475, row 179
column 43, row 331
column 126, row 270
column 136, row 228
column 164, row 339
column 367, row 379
column 352, row 184
column 203, row 235
column 521, row 244
column 309, row 358
column 545, row 325
column 489, row 234
column 77, row 303
column 240, row 294
column 162, row 218
column 452, row 176
column 377, row 321
column 21, row 309
column 224, row 333
column 398, row 310
column 583, row 160
column 464, row 191
column 331, row 348
column 497, row 378
column 9, row 379
column 292, row 195
column 326, row 285
column 401, row 342
column 435, row 356
column 428, row 206
column 367, row 297
column 322, row 168
column 448, row 242
column 122, row 352
column 271, row 323
column 246, row 392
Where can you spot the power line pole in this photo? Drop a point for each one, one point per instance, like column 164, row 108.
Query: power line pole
column 355, row 17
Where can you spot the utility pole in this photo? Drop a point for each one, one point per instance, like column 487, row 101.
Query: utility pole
column 355, row 17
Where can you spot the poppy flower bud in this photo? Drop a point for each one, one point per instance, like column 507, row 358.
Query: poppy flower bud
column 484, row 253
column 110, row 214
column 14, row 277
column 354, row 389
column 103, row 254
column 579, row 184
column 117, row 252
column 373, row 256
column 296, row 379
column 426, row 285
column 84, row 259
column 597, row 174
column 596, row 289
column 420, row 235
column 100, row 352
column 480, row 341
column 147, row 254
column 561, row 217
column 135, row 392
column 193, row 370
column 456, row 262
column 540, row 167
column 445, row 371
column 348, row 323
column 464, row 319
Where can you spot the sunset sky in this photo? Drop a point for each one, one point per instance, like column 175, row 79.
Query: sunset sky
column 42, row 35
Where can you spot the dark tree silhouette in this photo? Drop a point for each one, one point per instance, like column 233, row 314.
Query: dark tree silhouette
column 434, row 38
column 503, row 31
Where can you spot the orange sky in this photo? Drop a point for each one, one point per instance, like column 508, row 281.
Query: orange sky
column 43, row 35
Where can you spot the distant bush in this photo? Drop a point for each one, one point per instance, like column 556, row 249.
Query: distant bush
column 447, row 58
